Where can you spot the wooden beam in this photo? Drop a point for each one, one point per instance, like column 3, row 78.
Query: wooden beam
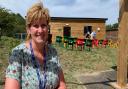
column 123, row 8
column 123, row 45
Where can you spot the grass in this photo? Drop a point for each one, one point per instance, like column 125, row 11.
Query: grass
column 73, row 62
column 79, row 62
column 6, row 44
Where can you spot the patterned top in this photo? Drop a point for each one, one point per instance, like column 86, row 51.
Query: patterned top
column 22, row 69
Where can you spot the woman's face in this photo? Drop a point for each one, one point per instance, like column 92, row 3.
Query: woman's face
column 39, row 31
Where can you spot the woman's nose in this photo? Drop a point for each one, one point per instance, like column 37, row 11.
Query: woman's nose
column 40, row 29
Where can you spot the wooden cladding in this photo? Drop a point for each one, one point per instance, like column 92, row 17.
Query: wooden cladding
column 77, row 26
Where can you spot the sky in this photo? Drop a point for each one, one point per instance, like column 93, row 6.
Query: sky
column 70, row 8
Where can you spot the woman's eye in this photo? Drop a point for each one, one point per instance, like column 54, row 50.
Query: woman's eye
column 43, row 25
column 36, row 26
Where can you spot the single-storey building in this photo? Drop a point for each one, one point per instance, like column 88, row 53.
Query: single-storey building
column 77, row 27
column 112, row 34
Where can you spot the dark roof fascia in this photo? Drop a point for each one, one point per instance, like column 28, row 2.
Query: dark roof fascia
column 75, row 19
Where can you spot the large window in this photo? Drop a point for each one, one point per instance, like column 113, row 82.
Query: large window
column 67, row 31
column 87, row 29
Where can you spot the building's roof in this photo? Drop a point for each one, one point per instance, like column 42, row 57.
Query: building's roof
column 75, row 19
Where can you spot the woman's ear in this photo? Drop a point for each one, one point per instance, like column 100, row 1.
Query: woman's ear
column 28, row 33
column 28, row 30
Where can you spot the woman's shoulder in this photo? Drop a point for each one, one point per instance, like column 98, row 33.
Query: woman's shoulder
column 19, row 47
column 51, row 48
column 17, row 52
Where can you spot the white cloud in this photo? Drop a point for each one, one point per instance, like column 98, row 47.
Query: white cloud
column 70, row 8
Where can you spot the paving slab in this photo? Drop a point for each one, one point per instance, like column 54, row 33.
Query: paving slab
column 98, row 80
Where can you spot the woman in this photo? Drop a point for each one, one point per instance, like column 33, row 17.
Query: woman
column 34, row 64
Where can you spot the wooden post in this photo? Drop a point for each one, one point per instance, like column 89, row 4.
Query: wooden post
column 123, row 45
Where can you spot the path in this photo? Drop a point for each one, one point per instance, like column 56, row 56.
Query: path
column 98, row 80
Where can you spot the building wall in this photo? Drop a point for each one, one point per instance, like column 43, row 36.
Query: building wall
column 112, row 34
column 77, row 28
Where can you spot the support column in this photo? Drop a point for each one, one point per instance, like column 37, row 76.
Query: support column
column 123, row 45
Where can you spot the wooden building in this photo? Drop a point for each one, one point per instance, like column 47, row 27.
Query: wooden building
column 77, row 27
column 112, row 34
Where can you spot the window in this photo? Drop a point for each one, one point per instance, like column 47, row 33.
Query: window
column 67, row 31
column 87, row 29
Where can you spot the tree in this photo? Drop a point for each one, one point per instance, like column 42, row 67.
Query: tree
column 3, row 20
column 115, row 25
column 112, row 26
column 109, row 27
column 11, row 23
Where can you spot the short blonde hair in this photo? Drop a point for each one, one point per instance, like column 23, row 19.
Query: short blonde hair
column 35, row 13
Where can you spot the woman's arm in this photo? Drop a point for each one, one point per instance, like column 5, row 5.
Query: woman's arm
column 11, row 83
column 62, row 84
column 13, row 71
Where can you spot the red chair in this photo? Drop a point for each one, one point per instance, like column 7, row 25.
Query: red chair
column 80, row 43
column 95, row 43
column 104, row 43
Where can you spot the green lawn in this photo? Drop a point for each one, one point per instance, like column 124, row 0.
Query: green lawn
column 73, row 62
column 80, row 62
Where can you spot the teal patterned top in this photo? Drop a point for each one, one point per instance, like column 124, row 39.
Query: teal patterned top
column 23, row 70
